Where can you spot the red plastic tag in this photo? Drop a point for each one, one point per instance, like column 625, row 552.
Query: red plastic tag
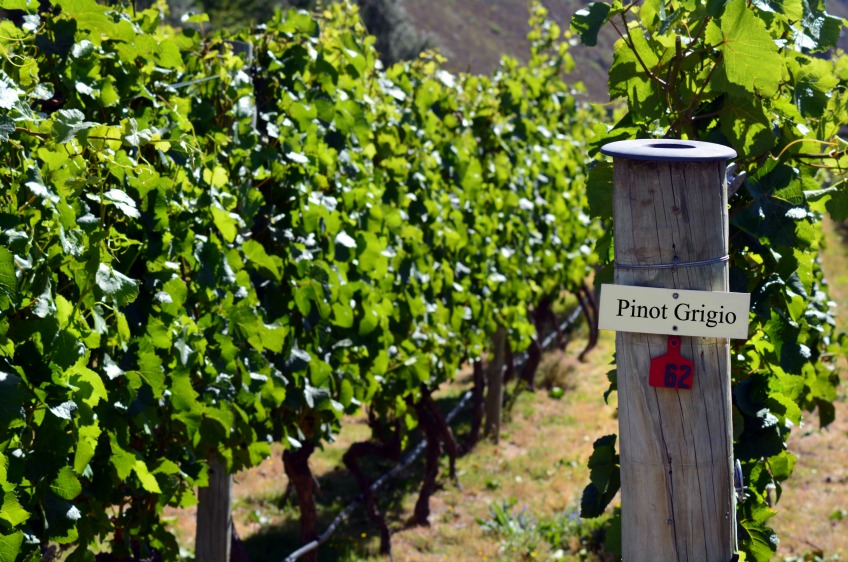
column 672, row 370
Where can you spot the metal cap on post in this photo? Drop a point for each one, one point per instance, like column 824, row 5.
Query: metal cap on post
column 671, row 231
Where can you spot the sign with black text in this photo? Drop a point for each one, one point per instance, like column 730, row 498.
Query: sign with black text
column 650, row 310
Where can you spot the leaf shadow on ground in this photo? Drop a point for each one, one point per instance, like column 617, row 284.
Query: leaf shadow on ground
column 357, row 537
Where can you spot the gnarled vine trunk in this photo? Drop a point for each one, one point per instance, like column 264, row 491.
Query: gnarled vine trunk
column 391, row 450
column 296, row 464
column 430, row 428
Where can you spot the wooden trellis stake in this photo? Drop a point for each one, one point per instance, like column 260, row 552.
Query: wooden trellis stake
column 214, row 515
column 671, row 232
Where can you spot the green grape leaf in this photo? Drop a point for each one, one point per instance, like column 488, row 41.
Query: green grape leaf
column 117, row 286
column 123, row 202
column 68, row 123
column 628, row 78
column 170, row 56
column 599, row 189
column 150, row 369
column 750, row 60
column 184, row 399
column 587, row 22
column 195, row 18
column 757, row 539
column 122, row 460
column 792, row 9
column 7, row 128
column 12, row 512
column 176, row 292
column 25, row 5
column 148, row 481
column 819, row 30
column 66, row 484
column 10, row 546
column 86, row 446
column 814, row 84
column 255, row 331
column 226, row 224
column 255, row 253
column 346, row 392
column 605, row 478
column 88, row 14
column 342, row 315
column 160, row 334
column 92, row 389
column 782, row 466
column 746, row 126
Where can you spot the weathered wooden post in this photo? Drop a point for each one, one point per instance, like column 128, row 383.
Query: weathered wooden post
column 214, row 518
column 494, row 386
column 671, row 232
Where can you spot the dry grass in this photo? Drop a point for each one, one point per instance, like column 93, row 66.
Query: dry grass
column 559, row 369
column 540, row 461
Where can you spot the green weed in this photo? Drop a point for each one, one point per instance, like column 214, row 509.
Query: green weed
column 562, row 536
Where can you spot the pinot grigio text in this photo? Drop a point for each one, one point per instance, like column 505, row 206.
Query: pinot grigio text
column 679, row 312
column 683, row 312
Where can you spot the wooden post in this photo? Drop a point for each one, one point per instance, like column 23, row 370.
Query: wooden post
column 677, row 501
column 214, row 518
column 494, row 386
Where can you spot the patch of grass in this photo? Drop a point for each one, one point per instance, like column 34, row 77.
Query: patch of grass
column 557, row 370
column 816, row 556
column 562, row 536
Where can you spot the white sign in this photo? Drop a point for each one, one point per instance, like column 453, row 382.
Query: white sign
column 649, row 310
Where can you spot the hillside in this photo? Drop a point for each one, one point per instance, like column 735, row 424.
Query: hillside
column 474, row 33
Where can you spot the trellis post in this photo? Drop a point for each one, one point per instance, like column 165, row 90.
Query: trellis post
column 494, row 386
column 214, row 515
column 671, row 232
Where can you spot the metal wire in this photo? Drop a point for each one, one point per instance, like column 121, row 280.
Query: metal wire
column 674, row 265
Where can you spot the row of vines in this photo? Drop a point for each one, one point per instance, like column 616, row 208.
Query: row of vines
column 210, row 245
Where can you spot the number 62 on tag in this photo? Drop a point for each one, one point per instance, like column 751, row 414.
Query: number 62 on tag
column 672, row 370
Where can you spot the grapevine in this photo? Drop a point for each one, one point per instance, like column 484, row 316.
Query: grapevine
column 211, row 244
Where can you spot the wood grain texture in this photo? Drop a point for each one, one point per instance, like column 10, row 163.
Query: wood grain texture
column 214, row 519
column 494, row 386
column 676, row 445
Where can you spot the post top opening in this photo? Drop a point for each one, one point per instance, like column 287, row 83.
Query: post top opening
column 668, row 150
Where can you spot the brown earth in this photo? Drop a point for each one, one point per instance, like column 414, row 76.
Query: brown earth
column 473, row 34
